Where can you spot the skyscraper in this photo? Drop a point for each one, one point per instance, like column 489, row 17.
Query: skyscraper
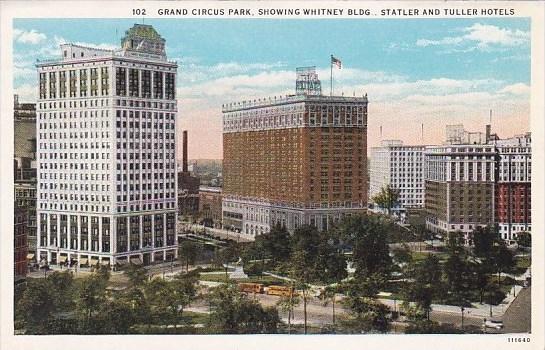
column 294, row 160
column 402, row 168
column 106, row 139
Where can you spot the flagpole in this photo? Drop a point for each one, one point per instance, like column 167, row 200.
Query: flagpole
column 331, row 76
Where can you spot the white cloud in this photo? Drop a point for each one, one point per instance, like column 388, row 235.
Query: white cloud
column 516, row 89
column 481, row 37
column 27, row 92
column 28, row 37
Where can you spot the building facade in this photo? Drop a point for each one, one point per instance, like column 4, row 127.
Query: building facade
column 106, row 134
column 20, row 235
column 513, row 188
column 402, row 168
column 294, row 160
column 210, row 204
column 459, row 187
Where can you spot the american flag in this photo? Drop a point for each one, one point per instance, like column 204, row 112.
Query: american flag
column 336, row 61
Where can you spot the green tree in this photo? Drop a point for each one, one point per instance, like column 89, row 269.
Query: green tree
column 306, row 249
column 188, row 251
column 91, row 296
column 493, row 295
column 233, row 313
column 524, row 239
column 387, row 198
column 36, row 306
column 287, row 304
column 367, row 314
column 136, row 274
column 426, row 285
column 275, row 243
column 367, row 236
column 484, row 239
column 329, row 295
column 503, row 260
column 458, row 277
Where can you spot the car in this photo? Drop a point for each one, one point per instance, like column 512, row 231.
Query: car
column 496, row 324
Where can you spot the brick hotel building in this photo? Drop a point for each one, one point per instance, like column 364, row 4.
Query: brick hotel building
column 294, row 160
column 106, row 138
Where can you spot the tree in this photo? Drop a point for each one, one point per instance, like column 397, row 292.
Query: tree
column 368, row 314
column 188, row 252
column 426, row 285
column 287, row 304
column 36, row 306
column 306, row 243
column 503, row 260
column 484, row 239
column 367, row 237
column 458, row 277
column 275, row 244
column 91, row 296
column 136, row 274
column 233, row 313
column 524, row 239
column 493, row 295
column 387, row 198
column 329, row 294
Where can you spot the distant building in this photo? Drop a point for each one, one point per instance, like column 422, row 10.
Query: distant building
column 400, row 167
column 25, row 199
column 460, row 185
column 294, row 160
column 106, row 129
column 210, row 204
column 188, row 185
column 513, row 188
column 20, row 242
column 457, row 135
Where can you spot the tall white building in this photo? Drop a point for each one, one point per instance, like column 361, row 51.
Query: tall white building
column 401, row 167
column 106, row 152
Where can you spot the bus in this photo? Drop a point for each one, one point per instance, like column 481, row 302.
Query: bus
column 251, row 287
column 282, row 291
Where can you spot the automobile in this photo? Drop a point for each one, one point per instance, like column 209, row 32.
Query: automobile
column 496, row 324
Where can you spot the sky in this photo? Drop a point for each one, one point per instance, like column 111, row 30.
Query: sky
column 433, row 72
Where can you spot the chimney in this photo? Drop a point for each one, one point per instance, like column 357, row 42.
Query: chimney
column 184, row 152
column 15, row 100
column 488, row 131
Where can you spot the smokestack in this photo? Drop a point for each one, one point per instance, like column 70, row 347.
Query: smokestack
column 489, row 127
column 184, row 152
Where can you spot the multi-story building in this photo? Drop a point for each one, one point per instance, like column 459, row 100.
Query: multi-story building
column 25, row 199
column 459, row 187
column 210, row 206
column 106, row 137
column 294, row 160
column 513, row 187
column 400, row 167
column 20, row 242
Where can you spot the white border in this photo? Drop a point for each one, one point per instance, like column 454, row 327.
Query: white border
column 122, row 9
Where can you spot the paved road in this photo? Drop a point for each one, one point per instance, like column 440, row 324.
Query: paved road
column 518, row 317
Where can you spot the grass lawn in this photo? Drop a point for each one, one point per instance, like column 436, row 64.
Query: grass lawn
column 524, row 262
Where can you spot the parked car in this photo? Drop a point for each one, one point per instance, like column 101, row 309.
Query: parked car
column 495, row 324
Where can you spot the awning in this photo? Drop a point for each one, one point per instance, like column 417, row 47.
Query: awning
column 105, row 262
column 136, row 261
column 62, row 258
column 83, row 261
column 121, row 262
column 30, row 256
column 94, row 261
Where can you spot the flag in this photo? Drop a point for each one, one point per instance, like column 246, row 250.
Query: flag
column 336, row 61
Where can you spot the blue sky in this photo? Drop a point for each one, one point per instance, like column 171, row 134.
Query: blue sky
column 433, row 71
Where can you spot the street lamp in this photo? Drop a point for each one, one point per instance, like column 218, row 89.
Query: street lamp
column 462, row 309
